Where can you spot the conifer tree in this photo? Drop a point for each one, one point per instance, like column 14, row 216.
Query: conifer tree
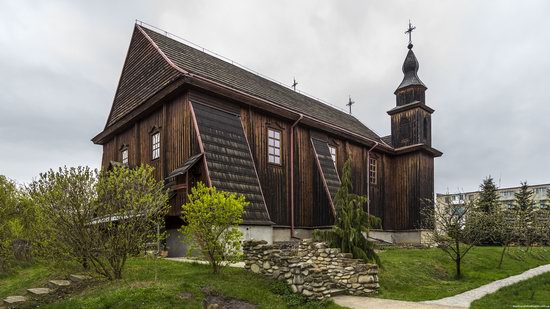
column 352, row 223
column 488, row 197
column 488, row 206
column 524, row 198
column 523, row 214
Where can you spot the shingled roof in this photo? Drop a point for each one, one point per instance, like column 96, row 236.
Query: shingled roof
column 197, row 62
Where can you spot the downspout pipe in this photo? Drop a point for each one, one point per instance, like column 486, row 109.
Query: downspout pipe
column 368, row 182
column 292, row 233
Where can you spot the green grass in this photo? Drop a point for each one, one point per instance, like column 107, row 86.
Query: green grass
column 150, row 283
column 533, row 292
column 426, row 274
column 25, row 276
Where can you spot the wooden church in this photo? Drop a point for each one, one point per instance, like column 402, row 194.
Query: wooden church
column 195, row 117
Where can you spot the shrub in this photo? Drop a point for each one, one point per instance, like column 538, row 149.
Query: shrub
column 21, row 228
column 212, row 218
column 8, row 206
column 99, row 219
column 131, row 206
column 352, row 222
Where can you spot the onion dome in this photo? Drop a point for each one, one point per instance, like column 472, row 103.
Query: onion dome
column 410, row 69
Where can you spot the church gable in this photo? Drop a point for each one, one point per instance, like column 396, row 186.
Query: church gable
column 145, row 72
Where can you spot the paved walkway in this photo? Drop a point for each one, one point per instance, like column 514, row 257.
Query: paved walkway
column 357, row 302
column 465, row 299
column 462, row 300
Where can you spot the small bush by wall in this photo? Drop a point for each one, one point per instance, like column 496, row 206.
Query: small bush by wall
column 311, row 268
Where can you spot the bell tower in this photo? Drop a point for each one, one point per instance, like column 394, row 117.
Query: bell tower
column 411, row 118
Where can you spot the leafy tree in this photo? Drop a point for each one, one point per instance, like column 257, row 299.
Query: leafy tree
column 456, row 228
column 130, row 208
column 8, row 206
column 212, row 218
column 504, row 230
column 352, row 223
column 67, row 199
column 488, row 196
column 99, row 220
column 21, row 230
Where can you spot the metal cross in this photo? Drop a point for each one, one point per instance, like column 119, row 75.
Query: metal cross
column 350, row 103
column 294, row 84
column 409, row 32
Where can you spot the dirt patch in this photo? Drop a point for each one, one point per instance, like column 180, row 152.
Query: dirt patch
column 220, row 302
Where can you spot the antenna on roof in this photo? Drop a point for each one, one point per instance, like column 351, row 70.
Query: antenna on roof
column 294, row 84
column 350, row 103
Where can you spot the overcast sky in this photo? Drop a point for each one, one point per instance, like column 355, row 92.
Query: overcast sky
column 486, row 65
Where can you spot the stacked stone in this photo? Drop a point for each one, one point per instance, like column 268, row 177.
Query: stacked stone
column 311, row 268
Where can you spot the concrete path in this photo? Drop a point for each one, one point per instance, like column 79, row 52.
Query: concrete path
column 357, row 302
column 186, row 260
column 465, row 299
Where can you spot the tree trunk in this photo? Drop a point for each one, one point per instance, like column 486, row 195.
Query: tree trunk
column 502, row 256
column 458, row 271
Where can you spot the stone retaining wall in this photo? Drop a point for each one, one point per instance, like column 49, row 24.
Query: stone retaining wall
column 311, row 268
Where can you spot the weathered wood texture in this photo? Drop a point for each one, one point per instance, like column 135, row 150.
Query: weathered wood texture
column 273, row 177
column 326, row 166
column 410, row 181
column 411, row 127
column 229, row 160
column 145, row 73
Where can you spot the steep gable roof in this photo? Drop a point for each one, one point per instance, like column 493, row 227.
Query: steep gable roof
column 184, row 58
column 145, row 72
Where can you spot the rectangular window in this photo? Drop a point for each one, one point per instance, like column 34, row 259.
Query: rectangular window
column 373, row 171
column 124, row 156
column 506, row 194
column 274, row 146
column 332, row 153
column 540, row 191
column 155, row 142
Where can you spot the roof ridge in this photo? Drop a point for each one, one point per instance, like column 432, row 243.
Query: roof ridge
column 296, row 101
column 214, row 54
column 157, row 48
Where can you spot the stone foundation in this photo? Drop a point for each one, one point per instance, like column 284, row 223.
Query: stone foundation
column 311, row 268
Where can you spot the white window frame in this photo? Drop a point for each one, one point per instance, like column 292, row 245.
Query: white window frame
column 155, row 145
column 124, row 156
column 373, row 171
column 333, row 153
column 274, row 146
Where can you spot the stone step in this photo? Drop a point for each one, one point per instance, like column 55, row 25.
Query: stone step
column 14, row 300
column 39, row 291
column 337, row 292
column 55, row 284
column 79, row 278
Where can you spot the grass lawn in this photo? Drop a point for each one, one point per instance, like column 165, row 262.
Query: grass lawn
column 426, row 274
column 152, row 283
column 529, row 293
column 26, row 276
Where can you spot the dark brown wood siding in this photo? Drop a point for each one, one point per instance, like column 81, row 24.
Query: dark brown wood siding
column 410, row 182
column 401, row 180
column 145, row 72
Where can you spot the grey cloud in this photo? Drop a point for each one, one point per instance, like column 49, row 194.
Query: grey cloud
column 485, row 64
